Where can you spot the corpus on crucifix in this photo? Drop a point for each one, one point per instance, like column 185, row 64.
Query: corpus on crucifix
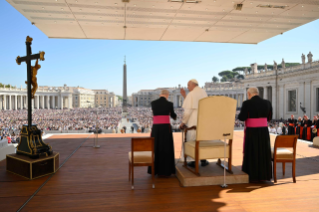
column 31, row 143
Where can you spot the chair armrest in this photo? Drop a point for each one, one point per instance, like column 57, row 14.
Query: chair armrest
column 187, row 129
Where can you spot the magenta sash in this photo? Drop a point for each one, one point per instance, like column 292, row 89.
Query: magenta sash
column 161, row 119
column 254, row 123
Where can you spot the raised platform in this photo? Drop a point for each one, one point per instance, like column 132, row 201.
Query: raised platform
column 209, row 175
column 91, row 179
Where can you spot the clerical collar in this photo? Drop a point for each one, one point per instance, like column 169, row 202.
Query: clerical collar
column 255, row 96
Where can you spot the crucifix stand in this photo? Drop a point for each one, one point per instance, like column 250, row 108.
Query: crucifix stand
column 31, row 143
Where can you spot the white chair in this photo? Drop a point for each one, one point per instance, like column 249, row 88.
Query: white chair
column 215, row 122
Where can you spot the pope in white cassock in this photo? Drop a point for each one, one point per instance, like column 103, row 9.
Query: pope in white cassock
column 190, row 107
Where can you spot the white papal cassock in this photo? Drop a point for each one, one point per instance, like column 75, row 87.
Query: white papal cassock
column 190, row 106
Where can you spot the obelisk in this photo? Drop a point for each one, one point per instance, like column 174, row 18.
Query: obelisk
column 124, row 105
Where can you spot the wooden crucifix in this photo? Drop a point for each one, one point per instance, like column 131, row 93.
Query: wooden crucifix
column 30, row 76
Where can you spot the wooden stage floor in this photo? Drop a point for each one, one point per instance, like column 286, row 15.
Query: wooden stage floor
column 97, row 180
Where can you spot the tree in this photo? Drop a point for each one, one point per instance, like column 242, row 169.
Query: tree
column 215, row 79
column 119, row 97
column 7, row 86
column 241, row 69
column 227, row 75
column 240, row 76
column 224, row 79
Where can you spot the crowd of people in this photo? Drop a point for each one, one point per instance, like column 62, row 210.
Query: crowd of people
column 75, row 119
column 82, row 119
column 306, row 128
column 11, row 121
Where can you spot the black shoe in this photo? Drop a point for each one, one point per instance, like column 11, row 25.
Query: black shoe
column 191, row 164
column 204, row 163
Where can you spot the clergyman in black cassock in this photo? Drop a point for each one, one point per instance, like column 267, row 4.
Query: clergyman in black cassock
column 291, row 127
column 256, row 112
column 162, row 134
column 299, row 127
column 306, row 134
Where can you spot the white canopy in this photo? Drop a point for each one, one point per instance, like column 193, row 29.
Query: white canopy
column 168, row 20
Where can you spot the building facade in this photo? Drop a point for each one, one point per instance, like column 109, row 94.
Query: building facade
column 235, row 90
column 105, row 99
column 48, row 97
column 101, row 98
column 83, row 98
column 293, row 90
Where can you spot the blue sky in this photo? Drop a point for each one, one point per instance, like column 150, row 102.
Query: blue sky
column 98, row 64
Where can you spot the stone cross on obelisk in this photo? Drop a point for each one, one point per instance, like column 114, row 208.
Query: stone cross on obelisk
column 124, row 105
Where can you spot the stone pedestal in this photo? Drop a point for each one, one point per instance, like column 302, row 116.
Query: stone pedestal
column 32, row 168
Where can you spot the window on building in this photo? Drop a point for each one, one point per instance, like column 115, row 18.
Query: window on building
column 317, row 98
column 292, row 101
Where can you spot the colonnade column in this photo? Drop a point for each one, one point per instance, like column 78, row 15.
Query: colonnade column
column 61, row 102
column 48, row 102
column 16, row 102
column 1, row 105
column 237, row 100
column 274, row 102
column 26, row 102
column 4, row 102
column 43, row 102
column 281, row 102
column 307, row 97
column 38, row 102
column 21, row 107
column 53, row 102
column 245, row 94
column 266, row 93
column 242, row 96
column 10, row 102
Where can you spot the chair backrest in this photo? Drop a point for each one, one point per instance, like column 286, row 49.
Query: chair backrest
column 143, row 144
column 287, row 141
column 216, row 117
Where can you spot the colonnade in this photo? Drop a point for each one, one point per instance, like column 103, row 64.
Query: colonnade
column 19, row 102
